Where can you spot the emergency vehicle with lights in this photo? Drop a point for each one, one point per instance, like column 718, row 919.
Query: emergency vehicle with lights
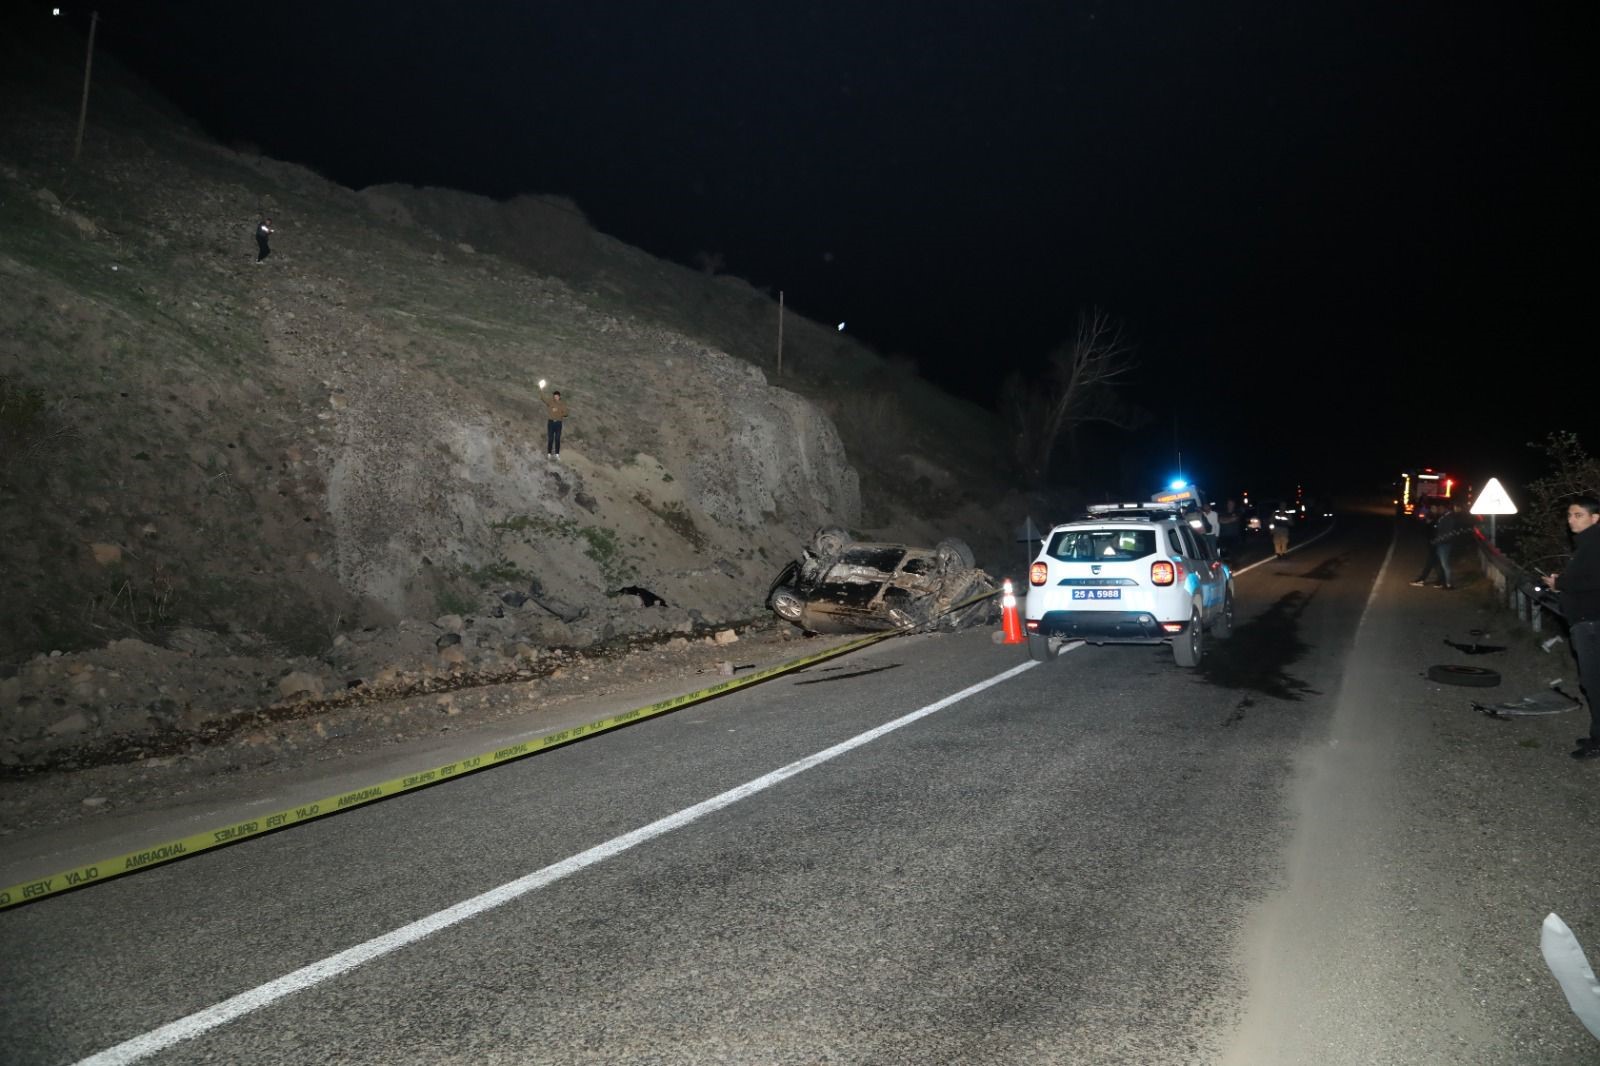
column 1130, row 573
column 1417, row 490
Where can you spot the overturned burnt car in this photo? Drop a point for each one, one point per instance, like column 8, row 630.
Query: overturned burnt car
column 841, row 585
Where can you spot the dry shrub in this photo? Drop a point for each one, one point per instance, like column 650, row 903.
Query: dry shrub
column 1540, row 530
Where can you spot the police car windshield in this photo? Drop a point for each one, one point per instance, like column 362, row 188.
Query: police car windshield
column 1101, row 545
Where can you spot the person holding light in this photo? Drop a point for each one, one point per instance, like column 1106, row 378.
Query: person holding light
column 558, row 414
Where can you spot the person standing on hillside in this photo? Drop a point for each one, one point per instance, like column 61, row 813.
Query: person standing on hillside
column 552, row 430
column 1579, row 586
column 263, row 231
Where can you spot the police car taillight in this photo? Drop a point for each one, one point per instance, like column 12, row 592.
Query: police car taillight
column 1038, row 574
column 1162, row 573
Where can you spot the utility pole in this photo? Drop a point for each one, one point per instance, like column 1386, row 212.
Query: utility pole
column 780, row 333
column 83, row 108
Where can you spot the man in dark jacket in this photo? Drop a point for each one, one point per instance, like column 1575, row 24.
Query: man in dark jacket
column 1579, row 586
column 1454, row 524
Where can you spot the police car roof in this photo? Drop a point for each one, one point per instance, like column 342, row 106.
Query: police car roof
column 1144, row 507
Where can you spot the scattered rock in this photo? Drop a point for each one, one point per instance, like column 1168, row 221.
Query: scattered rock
column 726, row 636
column 76, row 722
column 447, row 639
column 451, row 623
column 561, row 609
column 299, row 683
column 93, row 802
column 106, row 554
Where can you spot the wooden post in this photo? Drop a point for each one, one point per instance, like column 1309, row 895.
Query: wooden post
column 780, row 333
column 88, row 66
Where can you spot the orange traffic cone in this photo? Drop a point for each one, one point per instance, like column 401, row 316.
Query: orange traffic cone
column 1010, row 620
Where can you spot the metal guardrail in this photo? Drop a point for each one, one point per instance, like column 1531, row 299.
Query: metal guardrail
column 1515, row 584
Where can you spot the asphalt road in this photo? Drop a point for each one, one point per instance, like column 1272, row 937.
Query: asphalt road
column 1056, row 868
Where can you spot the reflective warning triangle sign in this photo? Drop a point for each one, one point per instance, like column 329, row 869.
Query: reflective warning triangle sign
column 1493, row 500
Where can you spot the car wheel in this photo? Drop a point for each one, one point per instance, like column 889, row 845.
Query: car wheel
column 1222, row 628
column 1470, row 676
column 787, row 605
column 953, row 553
column 1186, row 645
column 1041, row 649
column 827, row 541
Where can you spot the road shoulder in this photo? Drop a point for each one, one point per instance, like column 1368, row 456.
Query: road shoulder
column 1431, row 841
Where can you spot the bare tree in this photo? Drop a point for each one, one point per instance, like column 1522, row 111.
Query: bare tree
column 1077, row 387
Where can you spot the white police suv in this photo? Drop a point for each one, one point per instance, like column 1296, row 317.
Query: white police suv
column 1130, row 573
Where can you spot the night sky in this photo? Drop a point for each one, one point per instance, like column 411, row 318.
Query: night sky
column 1345, row 237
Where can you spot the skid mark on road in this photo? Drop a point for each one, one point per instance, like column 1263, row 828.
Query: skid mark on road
column 1259, row 653
column 853, row 673
column 1328, row 569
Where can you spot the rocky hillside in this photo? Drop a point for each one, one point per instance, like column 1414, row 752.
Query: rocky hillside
column 277, row 459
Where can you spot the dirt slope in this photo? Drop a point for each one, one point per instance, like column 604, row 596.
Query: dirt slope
column 227, row 483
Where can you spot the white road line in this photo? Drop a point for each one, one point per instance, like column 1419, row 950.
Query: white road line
column 193, row 1025
column 1377, row 582
column 1297, row 547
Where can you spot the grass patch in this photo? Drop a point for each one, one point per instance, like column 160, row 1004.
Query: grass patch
column 599, row 544
column 676, row 518
column 451, row 600
column 528, row 523
column 501, row 572
column 606, row 551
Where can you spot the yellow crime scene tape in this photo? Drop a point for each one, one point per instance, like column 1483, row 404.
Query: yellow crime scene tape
column 167, row 851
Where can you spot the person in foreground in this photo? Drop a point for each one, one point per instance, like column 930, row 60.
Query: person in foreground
column 1579, row 587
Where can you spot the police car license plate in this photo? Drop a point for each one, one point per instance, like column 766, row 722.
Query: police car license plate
column 1097, row 594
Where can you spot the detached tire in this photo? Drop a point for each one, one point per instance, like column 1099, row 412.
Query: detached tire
column 1468, row 676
